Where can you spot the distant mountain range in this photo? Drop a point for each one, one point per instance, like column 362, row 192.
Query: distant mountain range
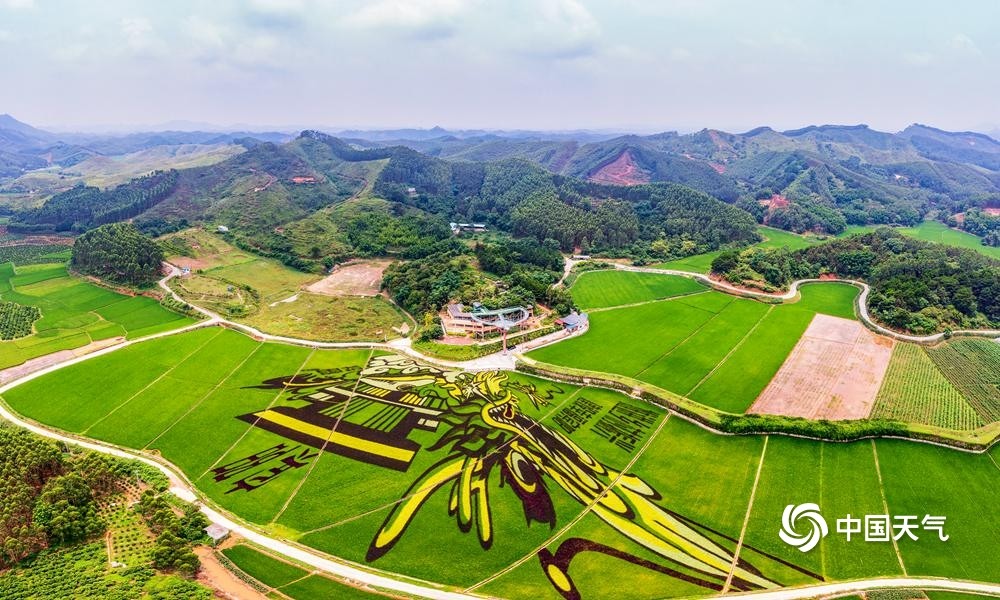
column 24, row 148
column 820, row 178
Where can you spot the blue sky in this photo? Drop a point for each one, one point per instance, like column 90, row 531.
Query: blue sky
column 641, row 65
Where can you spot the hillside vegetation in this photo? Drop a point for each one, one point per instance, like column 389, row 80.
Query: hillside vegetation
column 917, row 286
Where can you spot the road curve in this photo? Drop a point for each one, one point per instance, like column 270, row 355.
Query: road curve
column 793, row 291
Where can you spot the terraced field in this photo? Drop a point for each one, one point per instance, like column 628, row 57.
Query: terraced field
column 324, row 447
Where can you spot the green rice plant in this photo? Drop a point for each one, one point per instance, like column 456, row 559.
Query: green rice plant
column 972, row 365
column 915, row 391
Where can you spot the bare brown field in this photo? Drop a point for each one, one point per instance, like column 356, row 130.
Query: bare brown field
column 361, row 278
column 834, row 372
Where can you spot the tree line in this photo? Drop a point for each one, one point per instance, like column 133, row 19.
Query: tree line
column 84, row 207
column 920, row 287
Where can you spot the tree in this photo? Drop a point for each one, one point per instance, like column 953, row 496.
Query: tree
column 725, row 262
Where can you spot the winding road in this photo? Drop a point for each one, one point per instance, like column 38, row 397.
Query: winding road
column 183, row 488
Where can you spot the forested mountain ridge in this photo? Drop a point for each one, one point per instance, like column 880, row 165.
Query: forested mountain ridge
column 658, row 197
column 822, row 177
column 311, row 202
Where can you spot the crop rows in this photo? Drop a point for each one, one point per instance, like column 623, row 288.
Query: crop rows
column 915, row 391
column 16, row 319
column 973, row 366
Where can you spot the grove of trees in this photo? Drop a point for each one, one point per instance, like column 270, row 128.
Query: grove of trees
column 118, row 252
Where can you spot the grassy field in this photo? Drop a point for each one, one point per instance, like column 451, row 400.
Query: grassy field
column 268, row 295
column 915, row 391
column 601, row 289
column 935, row 231
column 773, row 238
column 929, row 231
column 182, row 396
column 718, row 349
column 328, row 318
column 74, row 312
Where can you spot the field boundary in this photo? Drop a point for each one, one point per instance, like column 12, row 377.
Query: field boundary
column 746, row 518
column 885, row 504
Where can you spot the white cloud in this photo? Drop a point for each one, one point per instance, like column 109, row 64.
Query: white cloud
column 17, row 4
column 5, row 36
column 680, row 54
column 964, row 45
column 918, row 59
column 138, row 32
column 558, row 29
column 418, row 18
column 204, row 33
column 277, row 14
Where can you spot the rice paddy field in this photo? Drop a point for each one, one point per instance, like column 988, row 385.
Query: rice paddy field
column 288, row 579
column 915, row 390
column 601, row 289
column 715, row 348
column 74, row 312
column 465, row 479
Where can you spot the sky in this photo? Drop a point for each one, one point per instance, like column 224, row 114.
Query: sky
column 625, row 65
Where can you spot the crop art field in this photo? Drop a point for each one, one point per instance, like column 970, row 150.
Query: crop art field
column 715, row 348
column 465, row 479
column 68, row 313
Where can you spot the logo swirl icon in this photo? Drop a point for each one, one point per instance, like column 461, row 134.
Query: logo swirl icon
column 802, row 515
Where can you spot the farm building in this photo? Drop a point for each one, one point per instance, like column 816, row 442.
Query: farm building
column 222, row 229
column 217, row 533
column 456, row 319
column 458, row 228
column 574, row 321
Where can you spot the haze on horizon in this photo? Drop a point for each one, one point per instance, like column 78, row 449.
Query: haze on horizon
column 633, row 65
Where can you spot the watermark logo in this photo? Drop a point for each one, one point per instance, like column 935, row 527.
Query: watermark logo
column 794, row 522
column 876, row 528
